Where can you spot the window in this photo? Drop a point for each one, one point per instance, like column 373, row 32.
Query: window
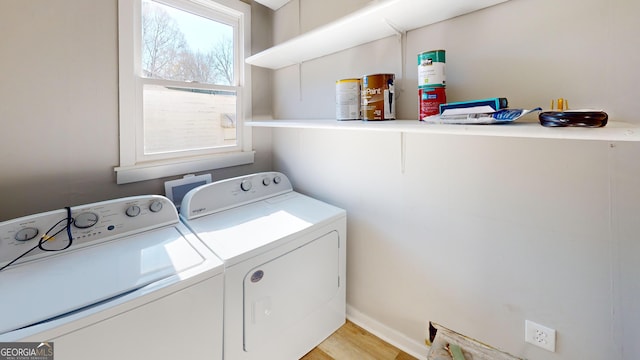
column 184, row 87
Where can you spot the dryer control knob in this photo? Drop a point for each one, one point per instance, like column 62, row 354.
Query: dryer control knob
column 246, row 185
column 133, row 211
column 277, row 179
column 266, row 181
column 85, row 220
column 155, row 206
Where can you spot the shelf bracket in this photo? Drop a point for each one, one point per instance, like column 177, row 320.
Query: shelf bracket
column 300, row 81
column 402, row 37
column 403, row 151
column 393, row 27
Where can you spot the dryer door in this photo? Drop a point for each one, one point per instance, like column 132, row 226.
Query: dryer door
column 283, row 292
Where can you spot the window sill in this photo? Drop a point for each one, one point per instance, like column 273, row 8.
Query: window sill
column 613, row 131
column 129, row 174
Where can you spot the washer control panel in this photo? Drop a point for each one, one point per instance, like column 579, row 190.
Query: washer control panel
column 93, row 223
column 229, row 193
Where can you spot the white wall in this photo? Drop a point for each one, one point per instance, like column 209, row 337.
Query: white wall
column 59, row 105
column 481, row 233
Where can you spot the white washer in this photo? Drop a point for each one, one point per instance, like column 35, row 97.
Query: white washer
column 284, row 256
column 134, row 284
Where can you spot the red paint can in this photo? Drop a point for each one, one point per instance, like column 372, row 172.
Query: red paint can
column 429, row 100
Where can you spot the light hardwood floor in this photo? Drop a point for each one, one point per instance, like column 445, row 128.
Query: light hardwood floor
column 352, row 342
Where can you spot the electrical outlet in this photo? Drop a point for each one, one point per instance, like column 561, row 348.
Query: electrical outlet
column 539, row 335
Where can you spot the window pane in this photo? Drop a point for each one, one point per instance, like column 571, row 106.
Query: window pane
column 178, row 45
column 179, row 119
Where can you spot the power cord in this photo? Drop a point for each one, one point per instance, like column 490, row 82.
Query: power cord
column 46, row 237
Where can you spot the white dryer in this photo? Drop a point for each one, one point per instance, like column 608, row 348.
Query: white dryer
column 284, row 255
column 135, row 283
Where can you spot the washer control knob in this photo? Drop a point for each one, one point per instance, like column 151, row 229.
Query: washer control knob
column 133, row 211
column 85, row 220
column 26, row 234
column 155, row 206
column 246, row 185
column 277, row 179
column 266, row 181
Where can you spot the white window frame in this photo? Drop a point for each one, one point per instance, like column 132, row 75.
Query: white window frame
column 134, row 167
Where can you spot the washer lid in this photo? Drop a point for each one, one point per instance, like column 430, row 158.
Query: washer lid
column 40, row 290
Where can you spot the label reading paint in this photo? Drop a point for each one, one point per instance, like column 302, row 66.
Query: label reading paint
column 378, row 97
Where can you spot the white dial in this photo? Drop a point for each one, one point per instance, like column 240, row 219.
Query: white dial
column 246, row 185
column 277, row 179
column 155, row 206
column 133, row 211
column 26, row 234
column 266, row 181
column 85, row 220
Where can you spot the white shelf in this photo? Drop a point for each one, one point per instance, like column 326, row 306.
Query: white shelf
column 381, row 19
column 613, row 131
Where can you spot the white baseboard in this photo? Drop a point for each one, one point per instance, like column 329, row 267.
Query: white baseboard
column 392, row 336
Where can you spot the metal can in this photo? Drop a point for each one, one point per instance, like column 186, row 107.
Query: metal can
column 378, row 97
column 431, row 68
column 429, row 100
column 348, row 99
